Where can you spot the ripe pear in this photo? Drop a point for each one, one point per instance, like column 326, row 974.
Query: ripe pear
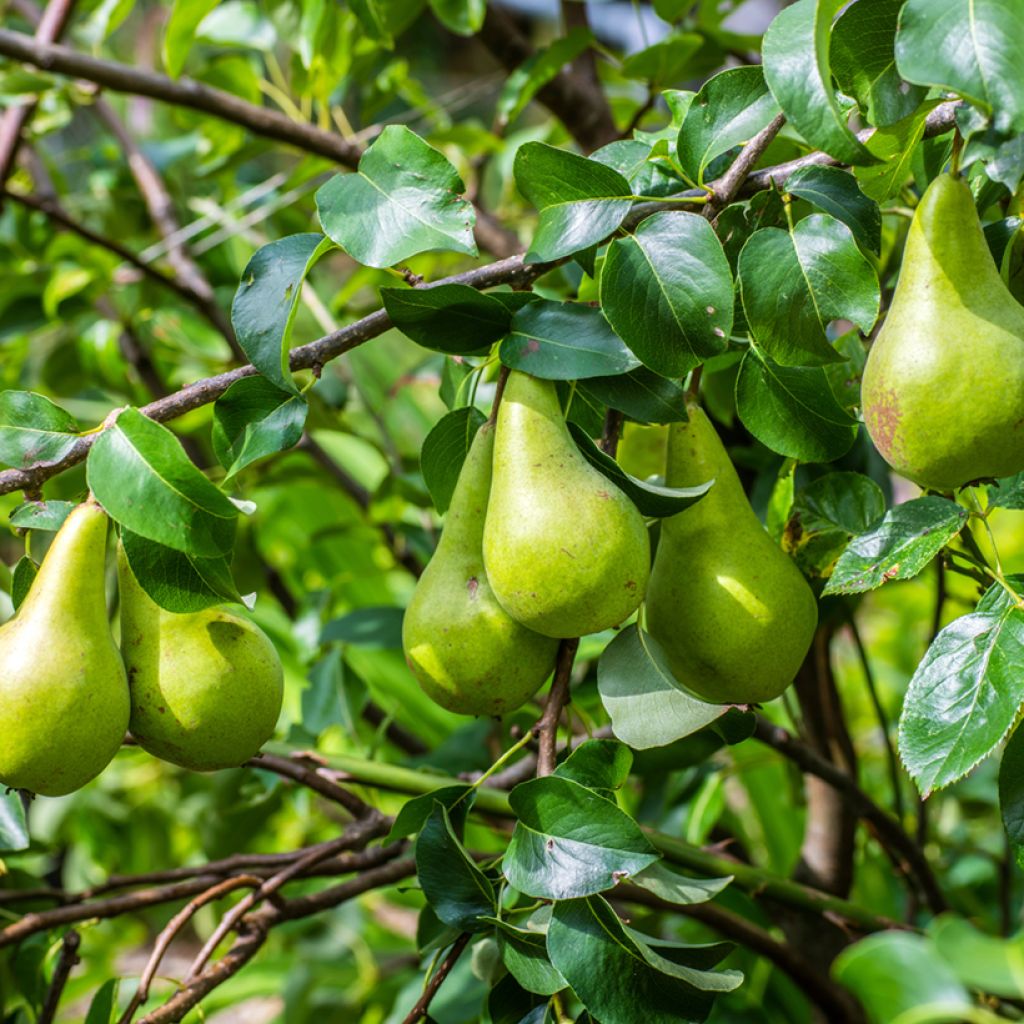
column 943, row 388
column 464, row 649
column 206, row 686
column 567, row 553
column 733, row 613
column 63, row 691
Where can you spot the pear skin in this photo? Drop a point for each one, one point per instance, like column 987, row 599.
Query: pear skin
column 63, row 691
column 732, row 611
column 206, row 687
column 464, row 649
column 943, row 388
column 567, row 553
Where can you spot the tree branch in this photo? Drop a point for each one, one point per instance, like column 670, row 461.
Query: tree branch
column 726, row 188
column 419, row 1011
column 65, row 964
column 546, row 728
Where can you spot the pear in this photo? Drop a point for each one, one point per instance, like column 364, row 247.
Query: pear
column 567, row 553
column 943, row 388
column 464, row 649
column 206, row 687
column 63, row 691
column 733, row 613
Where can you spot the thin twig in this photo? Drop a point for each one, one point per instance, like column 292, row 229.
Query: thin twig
column 726, row 188
column 65, row 964
column 301, row 771
column 546, row 728
column 613, row 420
column 419, row 1011
column 499, row 393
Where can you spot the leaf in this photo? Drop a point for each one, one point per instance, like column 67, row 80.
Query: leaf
column 837, row 193
column 894, row 147
column 622, row 979
column 324, row 703
column 796, row 66
column 668, row 884
column 33, row 429
column 180, row 32
column 13, row 826
column 104, row 1003
column 730, row 109
column 463, row 17
column 598, row 764
column 971, row 47
column 987, row 962
column 524, row 952
column 900, row 979
column 641, row 394
column 373, row 628
column 794, row 283
column 905, row 541
column 666, row 61
column 140, row 475
column 445, row 450
column 456, row 889
column 792, row 409
column 964, row 697
column 254, row 418
column 451, row 318
column 41, row 515
column 22, row 576
column 864, row 61
column 177, row 581
column 646, row 177
column 667, row 291
column 580, row 201
column 267, row 298
column 1007, row 493
column 643, row 699
column 456, row 800
column 569, row 841
column 652, row 500
column 564, row 341
column 1011, row 788
column 404, row 199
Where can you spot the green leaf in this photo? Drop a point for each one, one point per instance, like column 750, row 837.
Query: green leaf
column 463, row 17
column 971, row 47
column 643, row 699
column 180, row 32
column 456, row 889
column 41, row 515
column 445, row 450
column 580, row 201
column 900, row 979
column 730, row 109
column 140, row 475
column 642, row 394
column 837, row 193
column 631, row 158
column 826, row 515
column 403, row 200
column 667, row 291
column 104, row 1004
column 524, row 952
column 864, row 61
column 964, row 697
column 894, row 148
column 792, row 409
column 24, row 572
column 451, row 318
column 1007, row 493
column 267, row 299
column 254, row 418
column 33, row 429
column 1011, row 788
column 177, row 581
column 905, row 541
column 666, row 61
column 564, row 341
column 598, row 764
column 13, row 826
column 796, row 66
column 569, row 841
column 378, row 629
column 652, row 500
column 794, row 283
column 456, row 800
column 668, row 884
column 987, row 962
column 623, row 979
column 324, row 702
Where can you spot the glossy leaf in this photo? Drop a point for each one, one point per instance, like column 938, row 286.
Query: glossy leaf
column 445, row 450
column 22, row 576
column 598, row 764
column 641, row 394
column 33, row 429
column 524, row 952
column 668, row 884
column 452, row 318
column 41, row 515
column 894, row 147
column 457, row 801
column 838, row 194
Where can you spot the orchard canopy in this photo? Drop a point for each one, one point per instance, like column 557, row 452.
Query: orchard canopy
column 513, row 511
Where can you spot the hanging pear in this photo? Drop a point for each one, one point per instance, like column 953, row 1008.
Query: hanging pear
column 465, row 650
column 731, row 610
column 943, row 388
column 567, row 553
column 63, row 691
column 206, row 686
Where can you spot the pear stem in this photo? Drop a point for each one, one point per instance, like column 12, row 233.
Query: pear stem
column 512, row 751
column 499, row 391
column 546, row 728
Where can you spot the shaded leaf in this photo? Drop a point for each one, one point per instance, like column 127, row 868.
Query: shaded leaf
column 254, row 418
column 445, row 450
column 641, row 394
column 837, row 193
column 451, row 318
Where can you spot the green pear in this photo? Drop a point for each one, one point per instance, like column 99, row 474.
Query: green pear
column 63, row 691
column 567, row 553
column 206, row 686
column 943, row 388
column 465, row 650
column 731, row 610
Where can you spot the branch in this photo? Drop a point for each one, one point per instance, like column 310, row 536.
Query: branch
column 65, row 964
column 546, row 728
column 309, row 775
column 419, row 1011
column 726, row 188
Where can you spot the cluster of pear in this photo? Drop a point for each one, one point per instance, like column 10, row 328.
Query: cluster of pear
column 202, row 690
column 539, row 546
column 943, row 387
